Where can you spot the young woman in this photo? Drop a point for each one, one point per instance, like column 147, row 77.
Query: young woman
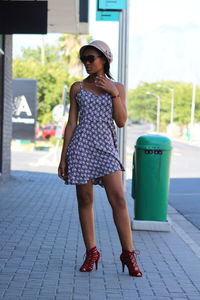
column 90, row 156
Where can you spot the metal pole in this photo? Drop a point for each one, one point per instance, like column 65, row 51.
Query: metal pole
column 193, row 107
column 64, row 96
column 172, row 101
column 158, row 110
column 61, row 122
column 123, row 77
column 193, row 103
column 158, row 113
column 172, row 107
column 43, row 51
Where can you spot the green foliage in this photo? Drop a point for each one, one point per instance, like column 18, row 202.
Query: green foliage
column 53, row 140
column 51, row 72
column 52, row 53
column 70, row 45
column 56, row 66
column 142, row 106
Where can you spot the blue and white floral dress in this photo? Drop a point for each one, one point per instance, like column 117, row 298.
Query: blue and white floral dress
column 92, row 151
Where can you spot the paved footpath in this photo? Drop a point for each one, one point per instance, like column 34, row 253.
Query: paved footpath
column 41, row 248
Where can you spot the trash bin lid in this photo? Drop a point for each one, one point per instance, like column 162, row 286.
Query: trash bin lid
column 153, row 141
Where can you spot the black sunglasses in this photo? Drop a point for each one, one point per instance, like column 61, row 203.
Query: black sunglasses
column 89, row 58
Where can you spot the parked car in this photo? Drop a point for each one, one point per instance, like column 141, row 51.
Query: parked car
column 48, row 131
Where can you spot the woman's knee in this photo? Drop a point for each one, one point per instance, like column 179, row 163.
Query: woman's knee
column 84, row 197
column 115, row 190
column 117, row 201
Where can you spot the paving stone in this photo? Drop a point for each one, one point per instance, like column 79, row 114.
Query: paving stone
column 41, row 249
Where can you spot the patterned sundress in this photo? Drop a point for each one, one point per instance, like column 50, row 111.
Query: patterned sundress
column 92, row 151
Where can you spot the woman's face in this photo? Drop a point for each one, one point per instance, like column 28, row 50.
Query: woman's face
column 93, row 61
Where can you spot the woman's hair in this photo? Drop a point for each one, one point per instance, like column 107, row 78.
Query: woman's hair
column 106, row 66
column 107, row 69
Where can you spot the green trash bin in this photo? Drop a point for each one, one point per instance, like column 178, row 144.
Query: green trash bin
column 150, row 185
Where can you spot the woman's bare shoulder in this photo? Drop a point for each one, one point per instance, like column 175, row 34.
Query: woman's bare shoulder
column 119, row 86
column 75, row 88
column 118, row 83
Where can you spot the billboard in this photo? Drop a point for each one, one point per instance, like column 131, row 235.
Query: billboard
column 24, row 108
column 23, row 17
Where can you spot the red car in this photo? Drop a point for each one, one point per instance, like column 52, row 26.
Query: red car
column 48, row 131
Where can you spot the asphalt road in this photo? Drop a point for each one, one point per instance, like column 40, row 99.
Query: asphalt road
column 185, row 171
column 185, row 181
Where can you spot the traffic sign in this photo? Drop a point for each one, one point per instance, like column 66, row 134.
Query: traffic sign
column 57, row 112
column 59, row 129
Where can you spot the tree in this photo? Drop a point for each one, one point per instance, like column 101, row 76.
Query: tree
column 69, row 47
column 142, row 106
column 52, row 73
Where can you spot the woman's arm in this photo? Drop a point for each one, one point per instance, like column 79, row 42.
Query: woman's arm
column 119, row 105
column 69, row 129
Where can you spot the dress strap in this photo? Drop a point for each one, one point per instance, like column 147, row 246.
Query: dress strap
column 81, row 85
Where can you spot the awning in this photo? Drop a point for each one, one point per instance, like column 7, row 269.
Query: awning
column 60, row 16
column 64, row 16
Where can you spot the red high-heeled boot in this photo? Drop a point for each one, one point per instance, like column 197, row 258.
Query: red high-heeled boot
column 92, row 256
column 128, row 258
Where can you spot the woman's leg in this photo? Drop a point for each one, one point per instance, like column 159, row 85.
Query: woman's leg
column 85, row 199
column 115, row 193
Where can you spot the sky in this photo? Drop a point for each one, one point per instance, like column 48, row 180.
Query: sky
column 148, row 15
column 151, row 23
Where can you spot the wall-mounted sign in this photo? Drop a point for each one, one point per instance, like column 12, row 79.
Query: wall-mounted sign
column 107, row 16
column 24, row 108
column 111, row 4
column 109, row 10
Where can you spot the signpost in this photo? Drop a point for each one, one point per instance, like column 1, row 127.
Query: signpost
column 117, row 10
column 59, row 113
column 123, row 76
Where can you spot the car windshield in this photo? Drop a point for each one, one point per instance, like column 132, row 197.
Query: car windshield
column 49, row 127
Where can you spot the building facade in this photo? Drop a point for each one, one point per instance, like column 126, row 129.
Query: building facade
column 63, row 16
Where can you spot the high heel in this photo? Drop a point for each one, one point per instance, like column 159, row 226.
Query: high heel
column 92, row 256
column 128, row 258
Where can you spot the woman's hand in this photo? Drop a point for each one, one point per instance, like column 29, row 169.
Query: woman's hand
column 117, row 92
column 106, row 84
column 62, row 170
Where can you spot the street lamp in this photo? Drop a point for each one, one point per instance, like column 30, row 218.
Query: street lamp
column 158, row 110
column 172, row 101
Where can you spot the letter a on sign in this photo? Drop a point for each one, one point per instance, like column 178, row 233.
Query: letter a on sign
column 21, row 105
